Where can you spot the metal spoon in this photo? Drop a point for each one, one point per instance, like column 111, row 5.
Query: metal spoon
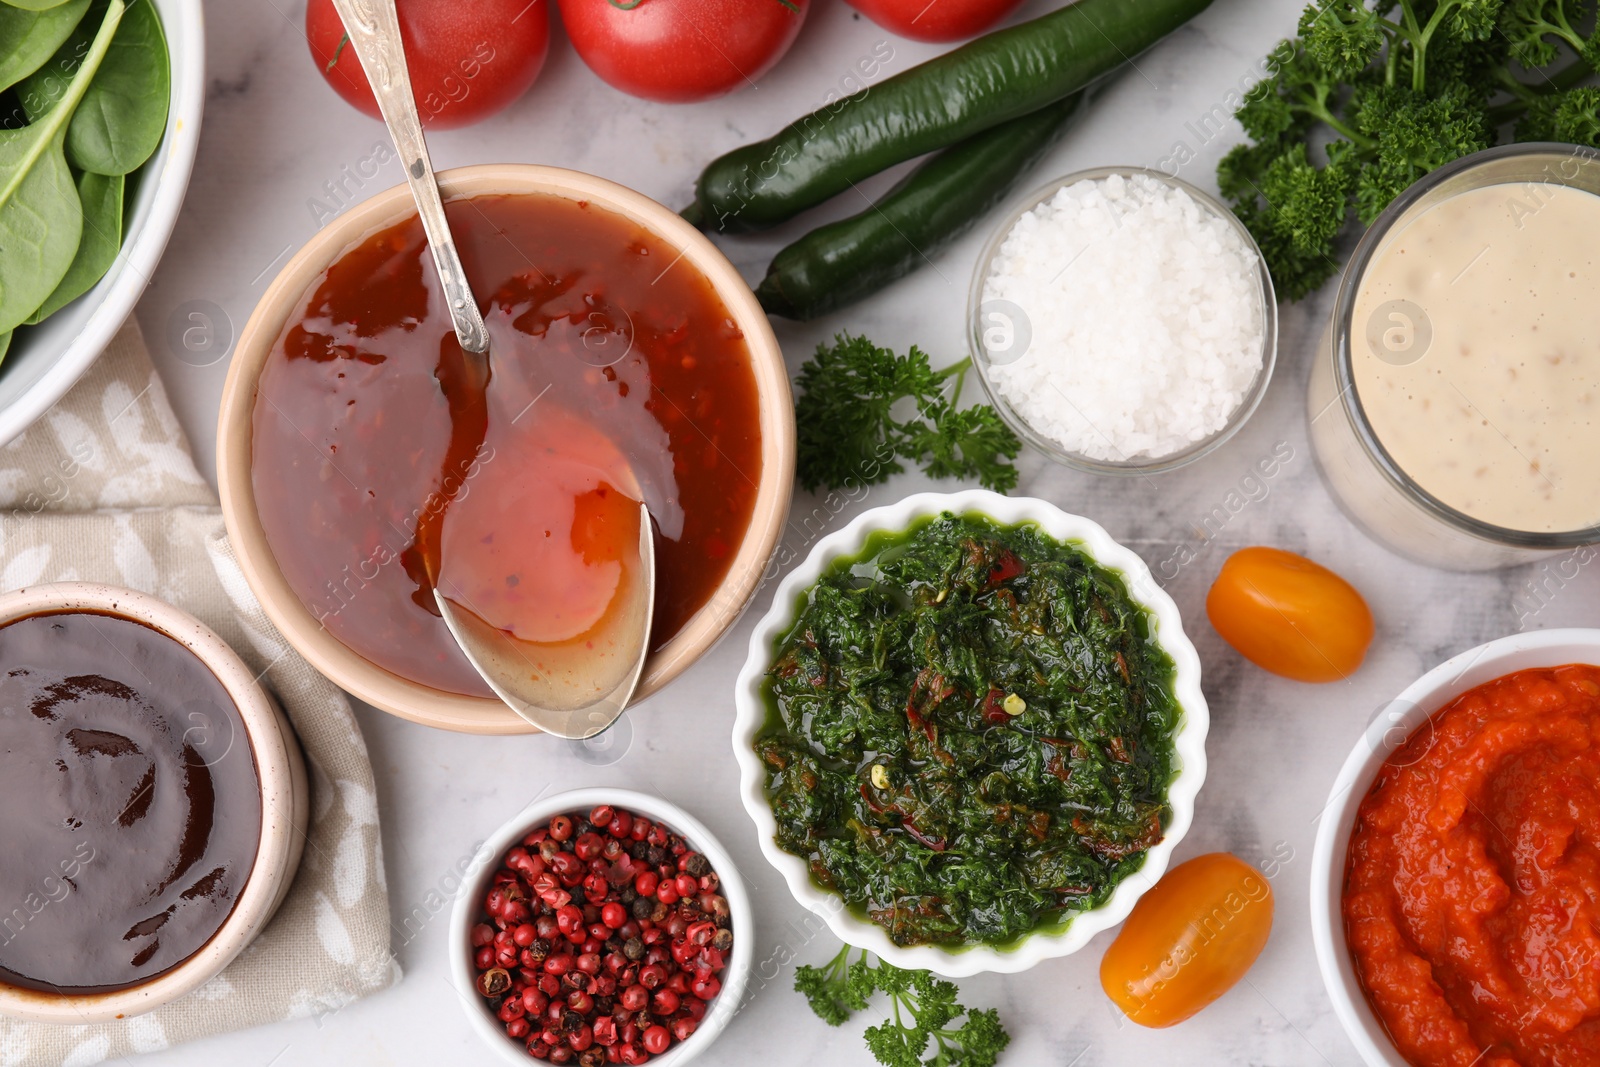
column 576, row 695
column 374, row 31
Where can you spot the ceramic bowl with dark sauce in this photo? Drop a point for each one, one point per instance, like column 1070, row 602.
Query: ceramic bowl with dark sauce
column 153, row 803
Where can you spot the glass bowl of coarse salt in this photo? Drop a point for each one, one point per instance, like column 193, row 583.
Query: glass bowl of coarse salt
column 1123, row 321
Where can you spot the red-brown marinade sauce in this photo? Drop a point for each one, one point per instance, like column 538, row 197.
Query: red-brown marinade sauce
column 130, row 803
column 607, row 348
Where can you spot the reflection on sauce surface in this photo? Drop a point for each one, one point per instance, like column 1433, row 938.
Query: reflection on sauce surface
column 1499, row 415
column 501, row 555
column 607, row 352
column 130, row 804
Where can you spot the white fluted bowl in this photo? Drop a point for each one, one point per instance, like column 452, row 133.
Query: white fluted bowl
column 1188, row 740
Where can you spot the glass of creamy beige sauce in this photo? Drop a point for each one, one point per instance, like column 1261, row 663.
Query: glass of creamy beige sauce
column 1454, row 403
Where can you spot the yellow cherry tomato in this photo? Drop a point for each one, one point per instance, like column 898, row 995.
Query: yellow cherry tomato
column 1189, row 940
column 1289, row 615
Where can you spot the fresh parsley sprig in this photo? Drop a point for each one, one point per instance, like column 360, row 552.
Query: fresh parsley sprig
column 923, row 1006
column 839, row 989
column 1401, row 87
column 862, row 410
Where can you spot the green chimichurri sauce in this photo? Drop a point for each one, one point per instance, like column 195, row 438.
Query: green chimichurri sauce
column 970, row 732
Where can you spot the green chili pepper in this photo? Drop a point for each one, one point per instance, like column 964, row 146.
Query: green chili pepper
column 993, row 79
column 851, row 259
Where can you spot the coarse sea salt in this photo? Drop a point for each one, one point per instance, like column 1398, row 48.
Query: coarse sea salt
column 1141, row 319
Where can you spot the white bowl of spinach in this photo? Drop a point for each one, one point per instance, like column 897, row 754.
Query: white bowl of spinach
column 970, row 732
column 100, row 106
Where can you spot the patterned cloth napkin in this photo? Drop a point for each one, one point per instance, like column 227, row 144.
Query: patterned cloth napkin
column 103, row 488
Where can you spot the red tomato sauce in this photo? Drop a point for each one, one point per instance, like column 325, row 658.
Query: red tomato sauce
column 1472, row 890
column 608, row 352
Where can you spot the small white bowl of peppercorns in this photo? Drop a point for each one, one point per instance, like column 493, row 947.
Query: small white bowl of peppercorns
column 601, row 926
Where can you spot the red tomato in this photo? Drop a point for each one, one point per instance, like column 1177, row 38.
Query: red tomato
column 1189, row 940
column 467, row 60
column 935, row 20
column 679, row 51
column 1289, row 615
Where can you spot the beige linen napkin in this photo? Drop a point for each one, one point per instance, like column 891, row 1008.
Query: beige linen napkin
column 103, row 488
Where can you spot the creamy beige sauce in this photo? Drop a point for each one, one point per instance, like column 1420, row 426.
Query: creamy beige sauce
column 1485, row 386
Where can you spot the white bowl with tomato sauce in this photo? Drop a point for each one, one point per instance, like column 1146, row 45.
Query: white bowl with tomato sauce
column 468, row 912
column 333, row 409
column 1389, row 736
column 1188, row 737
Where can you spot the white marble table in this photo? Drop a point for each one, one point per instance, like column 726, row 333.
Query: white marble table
column 276, row 141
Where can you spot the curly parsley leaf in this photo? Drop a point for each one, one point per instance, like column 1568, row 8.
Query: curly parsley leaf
column 862, row 411
column 1343, row 39
column 1572, row 116
column 1536, row 30
column 1412, row 135
column 1374, row 94
column 837, row 990
column 923, row 1007
column 981, row 1040
column 895, row 1045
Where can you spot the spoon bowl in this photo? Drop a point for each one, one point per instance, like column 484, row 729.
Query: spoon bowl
column 574, row 688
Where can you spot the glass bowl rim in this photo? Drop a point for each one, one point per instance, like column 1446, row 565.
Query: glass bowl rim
column 1241, row 414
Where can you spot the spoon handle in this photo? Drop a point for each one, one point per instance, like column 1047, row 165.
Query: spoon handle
column 374, row 31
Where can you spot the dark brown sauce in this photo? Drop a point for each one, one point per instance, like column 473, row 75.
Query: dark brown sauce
column 607, row 349
column 130, row 804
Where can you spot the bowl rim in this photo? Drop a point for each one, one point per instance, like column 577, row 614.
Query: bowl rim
column 347, row 668
column 486, row 860
column 169, row 169
column 1188, row 740
column 280, row 768
column 1253, row 396
column 1389, row 729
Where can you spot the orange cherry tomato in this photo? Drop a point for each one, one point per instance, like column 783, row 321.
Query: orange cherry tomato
column 1189, row 940
column 1289, row 615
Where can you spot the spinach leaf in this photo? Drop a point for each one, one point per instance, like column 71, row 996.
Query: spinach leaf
column 45, row 87
column 41, row 219
column 28, row 38
column 123, row 114
column 101, row 197
column 33, row 5
column 5, row 343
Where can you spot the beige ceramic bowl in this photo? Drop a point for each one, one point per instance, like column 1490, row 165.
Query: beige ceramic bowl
column 389, row 691
column 284, row 804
